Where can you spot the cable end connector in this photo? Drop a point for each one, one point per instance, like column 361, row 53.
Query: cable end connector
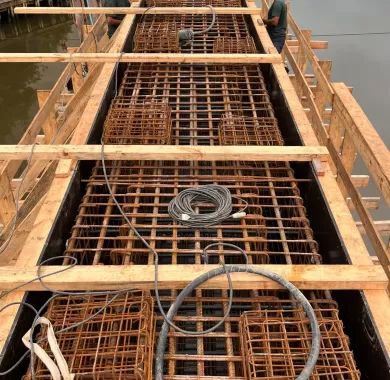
column 185, row 217
column 239, row 215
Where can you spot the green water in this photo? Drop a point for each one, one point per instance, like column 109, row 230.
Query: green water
column 19, row 81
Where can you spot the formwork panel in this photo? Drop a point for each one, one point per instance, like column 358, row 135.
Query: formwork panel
column 117, row 343
column 275, row 230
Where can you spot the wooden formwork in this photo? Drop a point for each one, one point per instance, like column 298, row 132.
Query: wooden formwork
column 318, row 149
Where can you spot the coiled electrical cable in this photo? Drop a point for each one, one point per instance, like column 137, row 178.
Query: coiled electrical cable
column 181, row 208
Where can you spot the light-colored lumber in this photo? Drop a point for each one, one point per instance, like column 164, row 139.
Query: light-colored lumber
column 382, row 226
column 137, row 11
column 313, row 44
column 370, row 203
column 165, row 152
column 360, row 181
column 50, row 125
column 367, row 141
column 141, row 57
column 99, row 277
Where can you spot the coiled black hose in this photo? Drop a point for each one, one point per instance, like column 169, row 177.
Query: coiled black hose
column 296, row 293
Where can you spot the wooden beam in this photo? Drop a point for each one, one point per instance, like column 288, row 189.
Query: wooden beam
column 360, row 181
column 99, row 277
column 165, row 152
column 313, row 44
column 370, row 203
column 382, row 226
column 141, row 57
column 138, row 11
column 368, row 143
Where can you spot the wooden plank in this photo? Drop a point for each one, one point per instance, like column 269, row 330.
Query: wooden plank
column 313, row 44
column 360, row 181
column 7, row 201
column 367, row 141
column 141, row 57
column 382, row 226
column 99, row 277
column 166, row 152
column 50, row 125
column 138, row 11
column 368, row 202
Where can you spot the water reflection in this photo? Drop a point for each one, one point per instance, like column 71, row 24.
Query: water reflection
column 19, row 81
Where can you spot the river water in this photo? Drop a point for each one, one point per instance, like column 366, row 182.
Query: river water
column 19, row 81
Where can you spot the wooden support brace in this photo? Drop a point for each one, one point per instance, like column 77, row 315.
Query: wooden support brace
column 141, row 57
column 50, row 125
column 138, row 11
column 105, row 277
column 165, row 152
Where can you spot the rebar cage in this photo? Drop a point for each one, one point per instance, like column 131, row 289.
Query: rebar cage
column 266, row 336
column 115, row 344
column 200, row 95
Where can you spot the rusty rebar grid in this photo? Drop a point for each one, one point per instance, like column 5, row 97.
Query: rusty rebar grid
column 222, row 354
column 199, row 95
column 115, row 344
column 234, row 45
column 226, row 26
column 193, row 3
column 276, row 341
column 157, row 36
column 276, row 229
column 236, row 129
column 146, row 122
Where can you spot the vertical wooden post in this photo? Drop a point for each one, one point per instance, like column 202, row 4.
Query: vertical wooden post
column 301, row 55
column 50, row 125
column 320, row 95
column 77, row 77
column 7, row 201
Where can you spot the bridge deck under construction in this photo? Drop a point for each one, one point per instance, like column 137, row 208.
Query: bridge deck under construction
column 296, row 216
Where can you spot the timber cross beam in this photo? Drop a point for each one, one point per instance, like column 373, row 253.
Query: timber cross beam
column 139, row 11
column 105, row 277
column 165, row 152
column 215, row 58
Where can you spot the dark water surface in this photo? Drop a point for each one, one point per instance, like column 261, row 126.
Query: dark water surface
column 19, row 81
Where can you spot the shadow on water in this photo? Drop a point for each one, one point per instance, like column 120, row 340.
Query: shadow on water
column 19, row 81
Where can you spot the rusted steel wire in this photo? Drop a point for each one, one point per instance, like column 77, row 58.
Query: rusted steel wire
column 276, row 229
column 276, row 339
column 234, row 45
column 236, row 129
column 156, row 37
column 147, row 122
column 116, row 344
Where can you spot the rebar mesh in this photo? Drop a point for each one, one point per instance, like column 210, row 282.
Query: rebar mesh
column 232, row 29
column 147, row 122
column 199, row 95
column 236, row 129
column 276, row 343
column 283, row 336
column 275, row 230
column 234, row 45
column 159, row 35
column 116, row 344
column 193, row 3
